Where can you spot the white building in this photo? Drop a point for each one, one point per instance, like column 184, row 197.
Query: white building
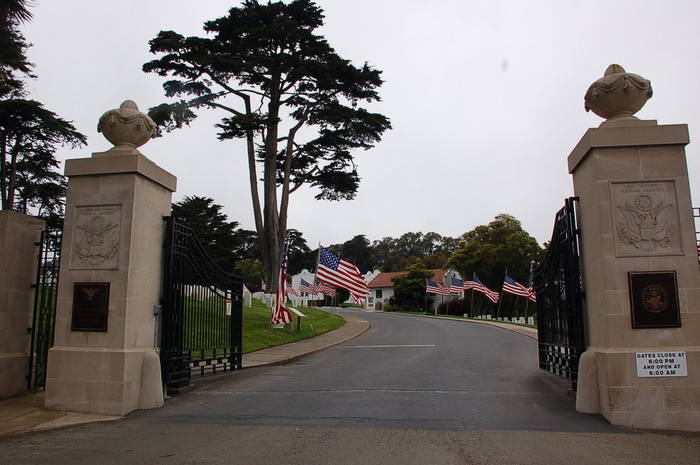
column 304, row 297
column 382, row 288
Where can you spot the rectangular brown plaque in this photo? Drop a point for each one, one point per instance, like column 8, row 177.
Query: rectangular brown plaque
column 654, row 299
column 90, row 305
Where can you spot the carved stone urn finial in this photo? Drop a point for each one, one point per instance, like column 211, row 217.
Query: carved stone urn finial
column 126, row 127
column 618, row 94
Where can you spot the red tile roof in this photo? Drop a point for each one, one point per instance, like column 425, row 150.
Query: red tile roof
column 384, row 279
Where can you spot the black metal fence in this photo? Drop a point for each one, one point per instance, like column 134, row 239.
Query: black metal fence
column 201, row 328
column 560, row 296
column 45, row 299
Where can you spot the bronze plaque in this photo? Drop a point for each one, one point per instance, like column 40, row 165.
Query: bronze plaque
column 654, row 299
column 90, row 305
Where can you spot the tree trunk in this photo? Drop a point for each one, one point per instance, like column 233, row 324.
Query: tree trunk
column 271, row 259
column 255, row 197
column 10, row 200
column 284, row 203
column 3, row 171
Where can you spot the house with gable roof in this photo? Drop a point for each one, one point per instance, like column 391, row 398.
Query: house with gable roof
column 382, row 288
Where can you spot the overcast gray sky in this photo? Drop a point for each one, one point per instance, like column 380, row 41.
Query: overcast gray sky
column 485, row 97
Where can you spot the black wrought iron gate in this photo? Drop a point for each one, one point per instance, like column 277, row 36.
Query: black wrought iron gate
column 560, row 324
column 45, row 299
column 202, row 311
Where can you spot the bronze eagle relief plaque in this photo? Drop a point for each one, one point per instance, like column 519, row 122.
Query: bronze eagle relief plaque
column 654, row 299
column 90, row 305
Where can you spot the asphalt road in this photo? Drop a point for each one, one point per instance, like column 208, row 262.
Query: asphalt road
column 410, row 390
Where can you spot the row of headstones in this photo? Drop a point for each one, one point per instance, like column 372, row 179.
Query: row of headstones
column 267, row 299
column 530, row 320
column 196, row 290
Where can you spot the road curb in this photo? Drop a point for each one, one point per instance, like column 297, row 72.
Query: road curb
column 529, row 332
column 279, row 355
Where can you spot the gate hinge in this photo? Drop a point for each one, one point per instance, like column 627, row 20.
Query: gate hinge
column 157, row 309
column 30, row 330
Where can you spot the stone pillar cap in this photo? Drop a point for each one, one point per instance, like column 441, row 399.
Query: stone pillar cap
column 618, row 94
column 126, row 127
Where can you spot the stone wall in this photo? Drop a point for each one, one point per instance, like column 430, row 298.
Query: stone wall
column 19, row 235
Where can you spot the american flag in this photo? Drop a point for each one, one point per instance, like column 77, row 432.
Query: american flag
column 358, row 299
column 306, row 287
column 324, row 289
column 339, row 272
column 531, row 294
column 469, row 285
column 458, row 286
column 280, row 314
column 513, row 287
column 291, row 290
column 481, row 287
column 432, row 287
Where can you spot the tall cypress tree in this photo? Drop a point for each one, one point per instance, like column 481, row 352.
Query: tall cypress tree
column 29, row 133
column 271, row 75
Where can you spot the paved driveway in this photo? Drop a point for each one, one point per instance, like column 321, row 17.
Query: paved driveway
column 410, row 390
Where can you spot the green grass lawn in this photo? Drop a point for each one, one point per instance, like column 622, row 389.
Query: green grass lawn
column 257, row 333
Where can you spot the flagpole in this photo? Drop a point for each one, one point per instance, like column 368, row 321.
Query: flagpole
column 500, row 299
column 425, row 305
column 471, row 307
column 318, row 259
column 527, row 302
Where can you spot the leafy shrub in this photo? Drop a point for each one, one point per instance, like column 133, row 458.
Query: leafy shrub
column 454, row 307
column 395, row 305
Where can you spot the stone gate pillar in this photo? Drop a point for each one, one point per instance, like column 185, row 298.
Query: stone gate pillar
column 19, row 235
column 640, row 264
column 104, row 358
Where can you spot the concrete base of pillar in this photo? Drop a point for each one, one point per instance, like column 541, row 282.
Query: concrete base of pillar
column 608, row 384
column 14, row 369
column 105, row 381
column 587, row 394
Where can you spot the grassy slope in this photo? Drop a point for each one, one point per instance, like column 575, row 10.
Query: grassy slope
column 257, row 333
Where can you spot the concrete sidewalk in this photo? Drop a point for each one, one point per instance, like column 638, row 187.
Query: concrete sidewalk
column 354, row 326
column 26, row 414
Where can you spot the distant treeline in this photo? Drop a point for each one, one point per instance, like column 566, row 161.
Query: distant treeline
column 489, row 250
